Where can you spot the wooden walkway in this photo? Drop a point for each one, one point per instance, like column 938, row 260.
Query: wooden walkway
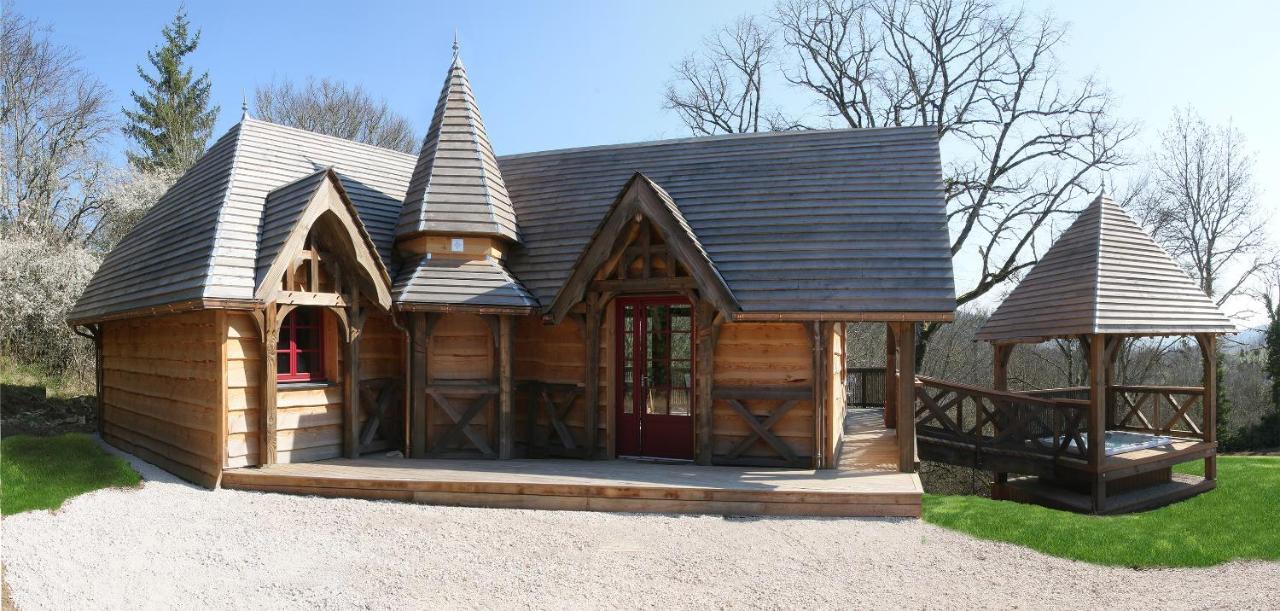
column 854, row 489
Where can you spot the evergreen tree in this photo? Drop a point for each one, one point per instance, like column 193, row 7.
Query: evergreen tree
column 173, row 120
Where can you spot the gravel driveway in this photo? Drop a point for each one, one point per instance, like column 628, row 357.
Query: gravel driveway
column 170, row 544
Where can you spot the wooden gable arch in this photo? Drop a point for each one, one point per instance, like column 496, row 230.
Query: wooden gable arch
column 331, row 212
column 640, row 205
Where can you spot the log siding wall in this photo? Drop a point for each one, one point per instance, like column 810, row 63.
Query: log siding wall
column 162, row 391
column 764, row 355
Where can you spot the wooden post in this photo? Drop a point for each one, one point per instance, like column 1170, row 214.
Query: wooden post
column 267, row 388
column 906, row 335
column 506, row 413
column 98, row 385
column 1209, row 358
column 1096, row 345
column 418, row 384
column 821, row 373
column 351, row 419
column 1000, row 381
column 704, row 403
column 890, row 377
column 591, row 396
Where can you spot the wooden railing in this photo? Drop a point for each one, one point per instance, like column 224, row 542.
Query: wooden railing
column 973, row 420
column 1069, row 392
column 866, row 387
column 1158, row 410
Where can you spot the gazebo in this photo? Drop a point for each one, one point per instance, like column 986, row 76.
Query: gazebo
column 1104, row 447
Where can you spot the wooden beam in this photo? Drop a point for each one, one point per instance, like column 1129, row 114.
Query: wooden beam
column 905, row 336
column 328, row 300
column 657, row 284
column 1097, row 417
column 506, row 400
column 418, row 332
column 1209, row 358
column 351, row 385
column 821, row 384
column 270, row 331
column 706, row 327
column 592, row 389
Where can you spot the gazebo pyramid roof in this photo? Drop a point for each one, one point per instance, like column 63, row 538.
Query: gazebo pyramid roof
column 1104, row 275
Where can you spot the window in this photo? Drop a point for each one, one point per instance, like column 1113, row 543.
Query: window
column 300, row 353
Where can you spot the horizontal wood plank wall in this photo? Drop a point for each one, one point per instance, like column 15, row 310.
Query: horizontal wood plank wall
column 161, row 391
column 764, row 355
column 460, row 348
column 381, row 348
column 551, row 354
column 244, row 378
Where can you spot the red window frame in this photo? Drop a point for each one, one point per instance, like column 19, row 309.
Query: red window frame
column 295, row 340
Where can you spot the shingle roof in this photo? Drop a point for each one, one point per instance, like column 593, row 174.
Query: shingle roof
column 200, row 240
column 456, row 185
column 443, row 281
column 281, row 212
column 835, row 221
column 832, row 221
column 1104, row 275
column 284, row 208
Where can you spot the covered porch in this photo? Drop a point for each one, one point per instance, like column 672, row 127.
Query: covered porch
column 866, row 482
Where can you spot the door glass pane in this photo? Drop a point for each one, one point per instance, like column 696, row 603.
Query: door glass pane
column 659, row 373
column 627, row 388
column 680, row 346
column 679, row 405
column 628, row 315
column 680, row 373
column 282, row 362
column 657, row 401
column 680, row 318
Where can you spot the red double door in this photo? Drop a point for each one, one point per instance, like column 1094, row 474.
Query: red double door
column 655, row 393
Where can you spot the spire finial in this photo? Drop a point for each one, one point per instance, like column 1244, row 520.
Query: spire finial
column 244, row 104
column 455, row 42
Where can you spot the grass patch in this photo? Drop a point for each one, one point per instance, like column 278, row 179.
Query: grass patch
column 1235, row 521
column 43, row 472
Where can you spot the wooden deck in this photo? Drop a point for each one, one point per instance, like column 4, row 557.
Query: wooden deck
column 866, row 484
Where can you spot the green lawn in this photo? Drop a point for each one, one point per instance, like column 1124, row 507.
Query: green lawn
column 42, row 472
column 1238, row 520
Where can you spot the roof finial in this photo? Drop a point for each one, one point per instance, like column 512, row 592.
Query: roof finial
column 455, row 42
column 244, row 104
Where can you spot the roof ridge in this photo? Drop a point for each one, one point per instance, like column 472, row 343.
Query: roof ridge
column 321, row 136
column 720, row 137
column 223, row 206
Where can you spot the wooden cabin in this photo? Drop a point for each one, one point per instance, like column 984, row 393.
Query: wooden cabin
column 297, row 298
column 1106, row 447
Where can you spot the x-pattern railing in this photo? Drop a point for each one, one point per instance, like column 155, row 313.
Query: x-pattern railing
column 998, row 419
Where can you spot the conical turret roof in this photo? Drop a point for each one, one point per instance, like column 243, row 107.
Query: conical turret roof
column 1104, row 275
column 456, row 187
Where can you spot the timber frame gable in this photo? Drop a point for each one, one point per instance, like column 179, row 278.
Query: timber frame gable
column 345, row 245
column 643, row 245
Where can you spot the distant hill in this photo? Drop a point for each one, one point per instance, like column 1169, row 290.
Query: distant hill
column 1244, row 341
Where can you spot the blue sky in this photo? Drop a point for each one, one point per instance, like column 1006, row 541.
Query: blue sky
column 573, row 73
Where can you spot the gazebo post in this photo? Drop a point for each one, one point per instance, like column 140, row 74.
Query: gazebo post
column 1209, row 358
column 1096, row 346
column 1000, row 381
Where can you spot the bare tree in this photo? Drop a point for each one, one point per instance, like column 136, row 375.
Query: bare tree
column 1201, row 203
column 337, row 109
column 719, row 90
column 1029, row 144
column 54, row 119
